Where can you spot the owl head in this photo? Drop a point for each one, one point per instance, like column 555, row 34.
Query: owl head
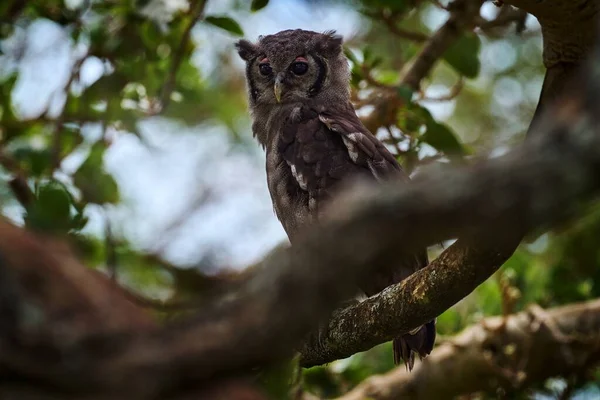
column 295, row 66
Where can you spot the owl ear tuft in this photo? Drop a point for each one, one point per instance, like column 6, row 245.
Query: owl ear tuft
column 331, row 44
column 246, row 50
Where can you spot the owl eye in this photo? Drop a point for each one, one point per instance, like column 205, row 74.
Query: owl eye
column 265, row 69
column 299, row 67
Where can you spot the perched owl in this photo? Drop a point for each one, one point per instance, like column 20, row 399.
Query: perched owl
column 299, row 93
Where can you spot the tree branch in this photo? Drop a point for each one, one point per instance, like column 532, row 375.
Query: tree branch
column 400, row 308
column 510, row 352
column 169, row 85
column 568, row 27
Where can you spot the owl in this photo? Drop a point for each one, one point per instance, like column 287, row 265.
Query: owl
column 299, row 95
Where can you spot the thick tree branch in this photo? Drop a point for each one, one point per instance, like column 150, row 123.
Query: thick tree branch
column 510, row 352
column 568, row 27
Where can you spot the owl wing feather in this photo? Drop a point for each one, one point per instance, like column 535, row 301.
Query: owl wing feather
column 326, row 146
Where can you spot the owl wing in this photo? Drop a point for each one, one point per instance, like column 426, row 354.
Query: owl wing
column 327, row 146
column 324, row 146
column 364, row 149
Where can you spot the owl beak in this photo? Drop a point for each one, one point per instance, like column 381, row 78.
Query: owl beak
column 278, row 87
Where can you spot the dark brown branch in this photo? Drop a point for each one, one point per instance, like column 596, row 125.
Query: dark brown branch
column 510, row 352
column 18, row 183
column 568, row 27
column 390, row 21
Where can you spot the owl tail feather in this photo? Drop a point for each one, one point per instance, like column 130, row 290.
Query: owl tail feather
column 420, row 342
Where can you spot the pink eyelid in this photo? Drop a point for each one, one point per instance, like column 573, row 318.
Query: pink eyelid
column 301, row 59
column 264, row 61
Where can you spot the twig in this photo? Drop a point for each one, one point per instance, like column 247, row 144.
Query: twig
column 462, row 14
column 389, row 19
column 503, row 19
column 109, row 245
column 58, row 122
column 169, row 85
column 18, row 183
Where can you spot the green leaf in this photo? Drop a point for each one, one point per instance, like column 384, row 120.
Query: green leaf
column 405, row 92
column 258, row 4
column 442, row 138
column 95, row 184
column 277, row 380
column 51, row 210
column 463, row 55
column 226, row 23
column 35, row 161
column 350, row 56
column 393, row 5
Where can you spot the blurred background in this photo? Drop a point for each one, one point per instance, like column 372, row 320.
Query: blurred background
column 124, row 126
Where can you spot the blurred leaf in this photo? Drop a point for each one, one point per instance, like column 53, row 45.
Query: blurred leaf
column 35, row 161
column 449, row 322
column 350, row 56
column 356, row 77
column 258, row 4
column 95, row 184
column 463, row 55
column 440, row 137
column 405, row 92
column 137, row 272
column 277, row 380
column 394, row 5
column 88, row 248
column 51, row 210
column 70, row 138
column 367, row 54
column 321, row 381
column 226, row 23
